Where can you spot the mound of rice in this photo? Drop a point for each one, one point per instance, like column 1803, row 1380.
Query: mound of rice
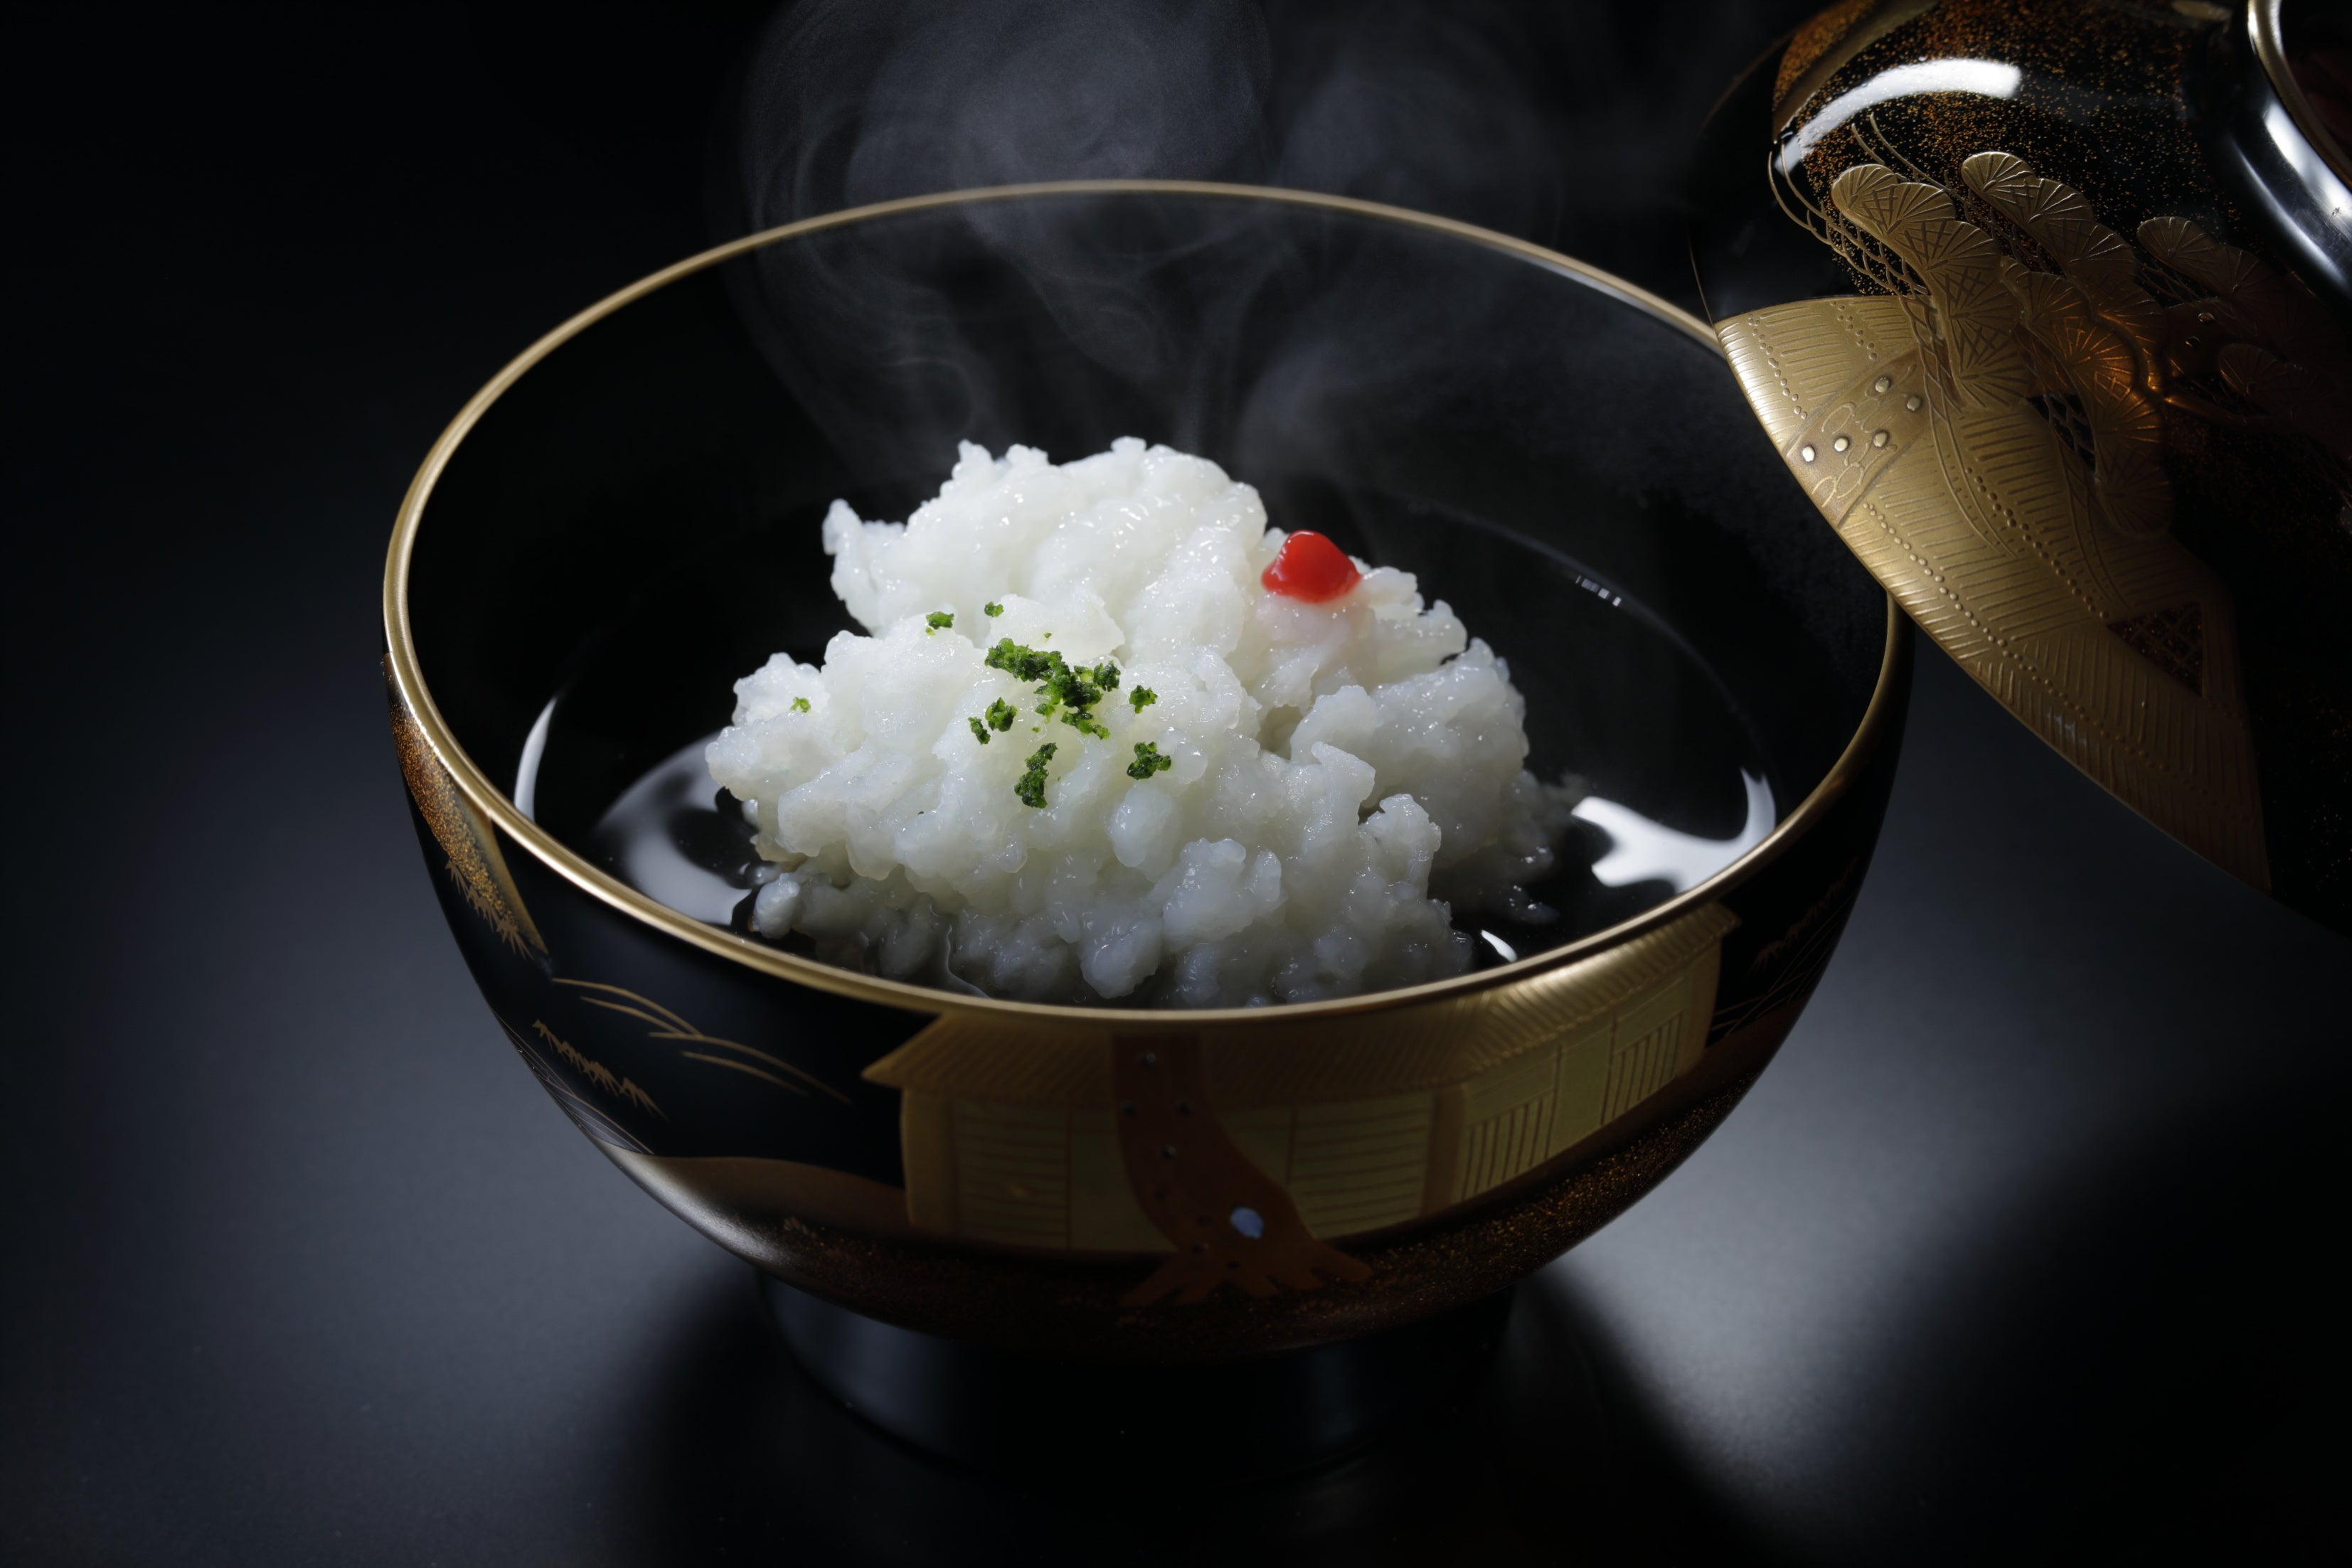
column 1247, row 798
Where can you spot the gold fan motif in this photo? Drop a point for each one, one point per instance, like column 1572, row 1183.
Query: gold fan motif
column 1989, row 439
column 2057, row 218
column 1974, row 317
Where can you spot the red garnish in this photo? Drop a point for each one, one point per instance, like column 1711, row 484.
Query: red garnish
column 1310, row 568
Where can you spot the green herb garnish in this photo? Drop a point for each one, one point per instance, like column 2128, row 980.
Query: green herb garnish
column 1030, row 790
column 800, row 704
column 1148, row 761
column 991, row 610
column 1059, row 687
column 999, row 717
column 1022, row 664
column 1072, row 693
column 1141, row 697
column 939, row 620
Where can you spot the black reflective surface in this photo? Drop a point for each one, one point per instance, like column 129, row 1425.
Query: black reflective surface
column 633, row 525
column 2020, row 1251
column 2284, row 181
column 1617, row 702
column 1270, row 1420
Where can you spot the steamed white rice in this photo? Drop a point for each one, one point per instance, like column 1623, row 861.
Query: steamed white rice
column 1335, row 773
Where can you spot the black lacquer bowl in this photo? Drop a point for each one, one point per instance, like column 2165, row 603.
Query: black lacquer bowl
column 625, row 521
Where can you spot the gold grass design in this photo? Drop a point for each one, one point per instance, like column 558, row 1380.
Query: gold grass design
column 664, row 1024
column 471, row 846
column 596, row 1072
column 582, row 1112
column 508, row 930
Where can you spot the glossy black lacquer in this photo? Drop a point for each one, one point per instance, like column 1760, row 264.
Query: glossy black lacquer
column 1002, row 1416
column 2290, row 189
column 666, row 463
column 306, row 1268
column 632, row 525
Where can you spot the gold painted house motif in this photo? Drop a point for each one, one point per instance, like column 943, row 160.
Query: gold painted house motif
column 1011, row 1133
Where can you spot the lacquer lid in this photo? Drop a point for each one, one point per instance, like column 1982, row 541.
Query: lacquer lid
column 2046, row 307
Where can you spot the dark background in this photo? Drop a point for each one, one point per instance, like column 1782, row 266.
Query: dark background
column 2020, row 1250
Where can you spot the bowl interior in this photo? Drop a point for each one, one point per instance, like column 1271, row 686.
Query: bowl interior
column 632, row 525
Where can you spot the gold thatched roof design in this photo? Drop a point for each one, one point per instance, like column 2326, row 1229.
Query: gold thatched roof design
column 1286, row 1062
column 984, row 1059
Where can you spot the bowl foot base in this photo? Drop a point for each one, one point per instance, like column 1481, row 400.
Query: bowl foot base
column 1000, row 1413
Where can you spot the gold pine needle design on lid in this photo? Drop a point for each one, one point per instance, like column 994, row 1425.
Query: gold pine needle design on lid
column 2024, row 362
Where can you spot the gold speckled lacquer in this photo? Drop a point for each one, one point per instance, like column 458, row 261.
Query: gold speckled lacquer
column 1066, row 1180
column 2058, row 355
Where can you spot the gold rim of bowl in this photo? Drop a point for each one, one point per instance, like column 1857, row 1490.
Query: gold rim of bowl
column 494, row 804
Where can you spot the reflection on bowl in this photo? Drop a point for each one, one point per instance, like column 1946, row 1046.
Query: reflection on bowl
column 625, row 521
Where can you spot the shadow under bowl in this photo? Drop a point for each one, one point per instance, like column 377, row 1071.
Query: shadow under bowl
column 625, row 522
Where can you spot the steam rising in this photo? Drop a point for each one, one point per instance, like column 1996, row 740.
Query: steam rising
column 1509, row 114
column 1562, row 123
column 850, row 101
column 1357, row 374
